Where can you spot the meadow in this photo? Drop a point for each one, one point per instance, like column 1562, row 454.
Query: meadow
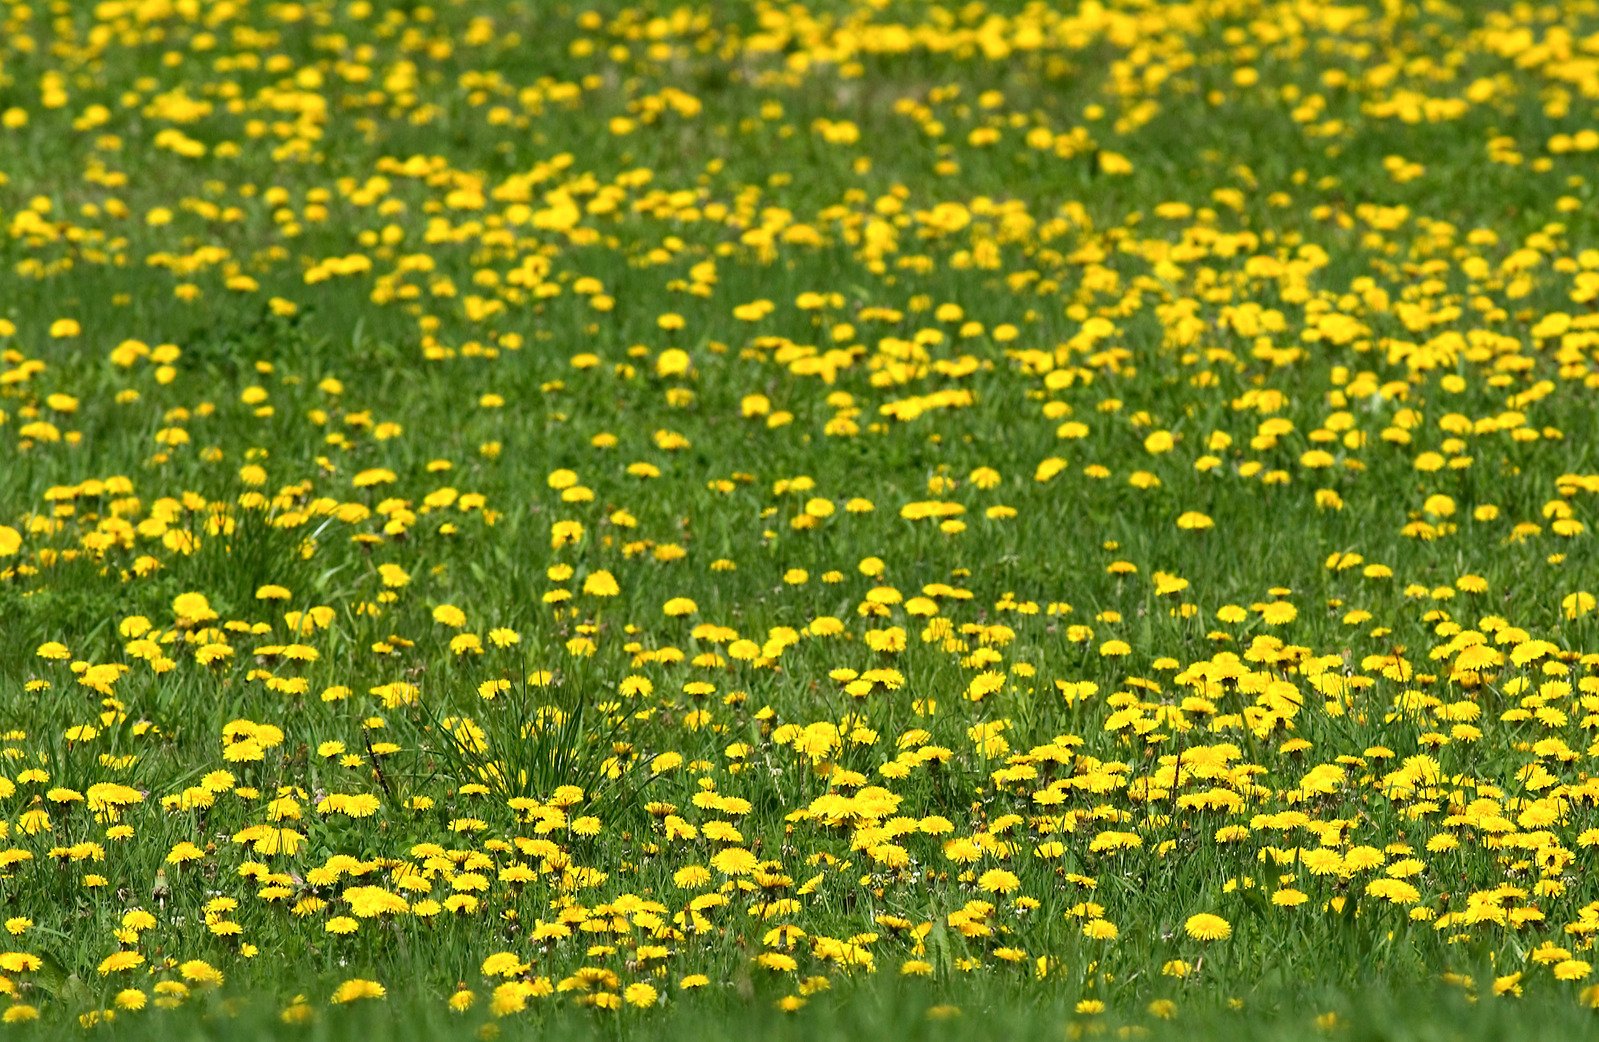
column 798, row 520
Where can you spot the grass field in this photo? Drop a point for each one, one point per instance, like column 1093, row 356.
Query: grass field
column 799, row 520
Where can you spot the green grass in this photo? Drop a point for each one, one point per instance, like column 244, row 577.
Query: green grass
column 739, row 520
column 991, row 1011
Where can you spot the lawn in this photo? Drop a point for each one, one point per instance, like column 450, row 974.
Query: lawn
column 799, row 520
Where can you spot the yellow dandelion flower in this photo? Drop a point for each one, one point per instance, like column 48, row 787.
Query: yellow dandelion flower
column 357, row 989
column 1206, row 926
